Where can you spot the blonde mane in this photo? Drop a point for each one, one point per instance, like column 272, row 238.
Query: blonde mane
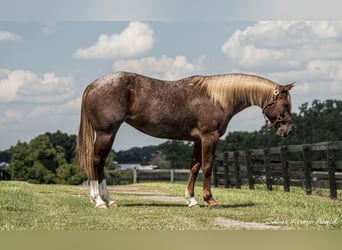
column 235, row 89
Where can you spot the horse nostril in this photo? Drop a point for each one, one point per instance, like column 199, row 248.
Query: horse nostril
column 289, row 133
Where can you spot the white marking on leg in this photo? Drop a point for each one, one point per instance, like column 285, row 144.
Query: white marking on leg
column 190, row 200
column 105, row 195
column 95, row 196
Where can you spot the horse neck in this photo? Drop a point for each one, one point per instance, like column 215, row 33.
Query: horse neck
column 236, row 92
column 251, row 91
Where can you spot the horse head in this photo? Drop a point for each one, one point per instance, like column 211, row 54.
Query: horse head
column 278, row 111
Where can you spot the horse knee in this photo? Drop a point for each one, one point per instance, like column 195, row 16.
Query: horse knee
column 206, row 169
column 97, row 160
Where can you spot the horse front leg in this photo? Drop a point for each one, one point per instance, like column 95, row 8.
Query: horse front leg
column 209, row 143
column 194, row 169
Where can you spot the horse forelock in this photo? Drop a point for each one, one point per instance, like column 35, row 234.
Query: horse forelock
column 234, row 89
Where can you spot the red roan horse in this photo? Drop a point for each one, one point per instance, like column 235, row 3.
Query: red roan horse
column 196, row 108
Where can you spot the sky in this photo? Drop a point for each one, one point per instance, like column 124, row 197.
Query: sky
column 51, row 50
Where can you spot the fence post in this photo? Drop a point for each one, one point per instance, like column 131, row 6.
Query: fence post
column 135, row 175
column 285, row 168
column 249, row 170
column 331, row 159
column 172, row 175
column 267, row 164
column 237, row 170
column 226, row 170
column 307, row 169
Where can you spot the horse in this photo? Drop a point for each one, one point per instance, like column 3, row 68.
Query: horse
column 196, row 108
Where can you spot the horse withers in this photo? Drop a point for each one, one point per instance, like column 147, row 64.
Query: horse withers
column 196, row 108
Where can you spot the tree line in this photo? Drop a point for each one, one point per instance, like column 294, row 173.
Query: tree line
column 49, row 158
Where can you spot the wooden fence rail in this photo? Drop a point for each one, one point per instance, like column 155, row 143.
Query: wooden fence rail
column 141, row 175
column 171, row 175
column 293, row 165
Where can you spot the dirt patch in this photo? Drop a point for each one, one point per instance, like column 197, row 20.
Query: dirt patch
column 163, row 198
column 140, row 193
column 133, row 190
column 238, row 225
column 153, row 195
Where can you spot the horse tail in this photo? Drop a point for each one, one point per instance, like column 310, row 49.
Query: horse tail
column 85, row 141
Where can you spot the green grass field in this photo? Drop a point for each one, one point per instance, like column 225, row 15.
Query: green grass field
column 159, row 206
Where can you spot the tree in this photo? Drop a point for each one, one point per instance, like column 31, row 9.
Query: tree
column 20, row 164
column 34, row 162
column 136, row 155
column 68, row 142
column 320, row 122
column 160, row 161
column 5, row 156
column 45, row 161
column 69, row 174
column 110, row 164
column 178, row 153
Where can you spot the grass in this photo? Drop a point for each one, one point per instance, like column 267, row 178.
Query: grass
column 26, row 206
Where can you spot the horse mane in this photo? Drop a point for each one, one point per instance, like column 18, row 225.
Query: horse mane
column 235, row 89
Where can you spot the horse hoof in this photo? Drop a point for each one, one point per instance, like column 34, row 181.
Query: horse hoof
column 214, row 206
column 101, row 206
column 112, row 205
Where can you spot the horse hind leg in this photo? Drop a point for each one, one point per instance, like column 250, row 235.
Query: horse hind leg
column 194, row 169
column 102, row 147
column 209, row 143
column 95, row 196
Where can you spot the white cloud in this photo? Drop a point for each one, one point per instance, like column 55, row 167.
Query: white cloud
column 163, row 67
column 68, row 108
column 21, row 85
column 135, row 40
column 7, row 36
column 284, row 45
column 309, row 53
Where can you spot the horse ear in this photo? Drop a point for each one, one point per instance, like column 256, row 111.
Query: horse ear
column 287, row 87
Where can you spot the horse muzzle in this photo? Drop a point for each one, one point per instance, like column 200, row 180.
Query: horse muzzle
column 284, row 130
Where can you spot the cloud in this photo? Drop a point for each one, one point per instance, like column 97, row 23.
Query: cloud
column 309, row 53
column 7, row 36
column 21, row 85
column 284, row 45
column 135, row 40
column 68, row 108
column 164, row 67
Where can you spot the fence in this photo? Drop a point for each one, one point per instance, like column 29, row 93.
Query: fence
column 307, row 166
column 171, row 175
column 4, row 175
column 141, row 175
column 294, row 165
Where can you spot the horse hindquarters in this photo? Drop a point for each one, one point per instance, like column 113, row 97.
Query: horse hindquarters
column 97, row 118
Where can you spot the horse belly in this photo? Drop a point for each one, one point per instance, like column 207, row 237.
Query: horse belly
column 162, row 127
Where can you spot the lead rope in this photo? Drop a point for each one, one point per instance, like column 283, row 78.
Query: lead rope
column 268, row 126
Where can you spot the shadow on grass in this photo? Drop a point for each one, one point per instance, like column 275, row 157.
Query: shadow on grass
column 165, row 204
column 248, row 204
